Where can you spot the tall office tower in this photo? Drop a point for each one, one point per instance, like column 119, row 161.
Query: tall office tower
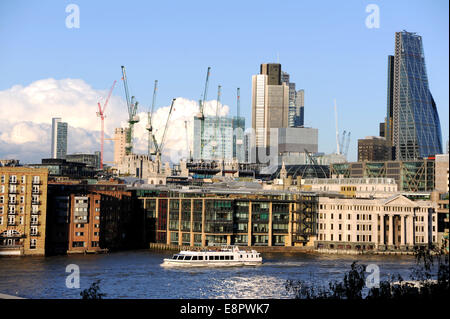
column 59, row 138
column 238, row 138
column 412, row 123
column 120, row 141
column 299, row 119
column 217, row 138
column 270, row 103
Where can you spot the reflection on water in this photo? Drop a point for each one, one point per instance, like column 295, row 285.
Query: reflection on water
column 137, row 274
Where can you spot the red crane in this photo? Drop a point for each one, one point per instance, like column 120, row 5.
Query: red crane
column 101, row 114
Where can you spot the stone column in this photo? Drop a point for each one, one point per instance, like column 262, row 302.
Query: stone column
column 375, row 229
column 270, row 225
column 382, row 230
column 250, row 230
column 402, row 230
column 391, row 230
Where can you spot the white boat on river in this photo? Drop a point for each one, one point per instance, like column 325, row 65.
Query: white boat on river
column 224, row 256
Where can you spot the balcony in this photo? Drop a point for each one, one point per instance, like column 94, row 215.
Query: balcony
column 35, row 223
column 12, row 223
column 14, row 191
column 37, row 182
column 37, row 234
column 37, row 212
column 36, row 202
column 12, row 212
column 13, row 203
column 36, row 192
column 13, row 182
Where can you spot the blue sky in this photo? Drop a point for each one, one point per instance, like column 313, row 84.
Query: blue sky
column 324, row 45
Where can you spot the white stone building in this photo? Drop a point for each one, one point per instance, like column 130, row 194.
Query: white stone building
column 396, row 223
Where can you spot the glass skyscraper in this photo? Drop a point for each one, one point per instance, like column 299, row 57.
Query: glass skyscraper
column 59, row 138
column 412, row 123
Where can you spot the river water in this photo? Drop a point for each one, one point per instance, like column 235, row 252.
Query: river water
column 138, row 274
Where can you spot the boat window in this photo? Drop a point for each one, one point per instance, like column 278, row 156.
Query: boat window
column 194, row 257
column 174, row 256
column 242, row 256
column 227, row 257
column 200, row 257
column 232, row 257
column 222, row 257
column 187, row 257
column 216, row 257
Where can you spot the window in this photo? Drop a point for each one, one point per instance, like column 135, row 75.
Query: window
column 33, row 243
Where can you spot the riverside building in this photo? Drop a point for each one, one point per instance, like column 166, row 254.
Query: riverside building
column 23, row 204
column 396, row 223
column 244, row 216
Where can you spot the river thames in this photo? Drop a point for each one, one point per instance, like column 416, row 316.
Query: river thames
column 138, row 274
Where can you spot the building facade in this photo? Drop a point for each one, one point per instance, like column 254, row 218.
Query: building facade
column 217, row 138
column 59, row 138
column 270, row 103
column 374, row 148
column 91, row 160
column 93, row 218
column 396, row 223
column 412, row 121
column 353, row 187
column 120, row 143
column 238, row 138
column 222, row 216
column 23, row 210
column 410, row 176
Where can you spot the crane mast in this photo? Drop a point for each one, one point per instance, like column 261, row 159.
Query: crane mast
column 101, row 114
column 216, row 126
column 149, row 127
column 201, row 115
column 132, row 105
column 337, row 132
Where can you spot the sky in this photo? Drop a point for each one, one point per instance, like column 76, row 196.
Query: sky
column 50, row 70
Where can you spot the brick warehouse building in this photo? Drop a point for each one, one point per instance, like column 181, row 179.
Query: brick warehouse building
column 23, row 202
column 92, row 218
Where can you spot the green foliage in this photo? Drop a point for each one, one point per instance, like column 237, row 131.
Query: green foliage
column 427, row 281
column 93, row 292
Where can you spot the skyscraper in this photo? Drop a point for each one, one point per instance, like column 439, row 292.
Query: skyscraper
column 270, row 103
column 59, row 138
column 412, row 120
column 296, row 102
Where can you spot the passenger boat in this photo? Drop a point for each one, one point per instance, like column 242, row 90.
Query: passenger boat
column 224, row 256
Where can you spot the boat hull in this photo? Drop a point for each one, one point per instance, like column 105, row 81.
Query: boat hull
column 181, row 263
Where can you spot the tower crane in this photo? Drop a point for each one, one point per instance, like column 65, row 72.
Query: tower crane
column 101, row 114
column 132, row 105
column 346, row 145
column 214, row 142
column 201, row 115
column 159, row 147
column 338, row 151
column 149, row 126
column 187, row 141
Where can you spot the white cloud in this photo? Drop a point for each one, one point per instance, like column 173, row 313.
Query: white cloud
column 25, row 119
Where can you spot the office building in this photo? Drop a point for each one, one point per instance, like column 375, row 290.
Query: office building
column 238, row 138
column 410, row 176
column 412, row 121
column 373, row 148
column 222, row 215
column 217, row 138
column 23, row 210
column 59, row 138
column 296, row 102
column 270, row 103
column 442, row 176
column 91, row 160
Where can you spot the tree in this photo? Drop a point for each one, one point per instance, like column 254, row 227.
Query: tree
column 93, row 292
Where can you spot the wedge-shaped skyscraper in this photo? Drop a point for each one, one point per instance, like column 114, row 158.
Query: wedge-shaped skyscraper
column 412, row 123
